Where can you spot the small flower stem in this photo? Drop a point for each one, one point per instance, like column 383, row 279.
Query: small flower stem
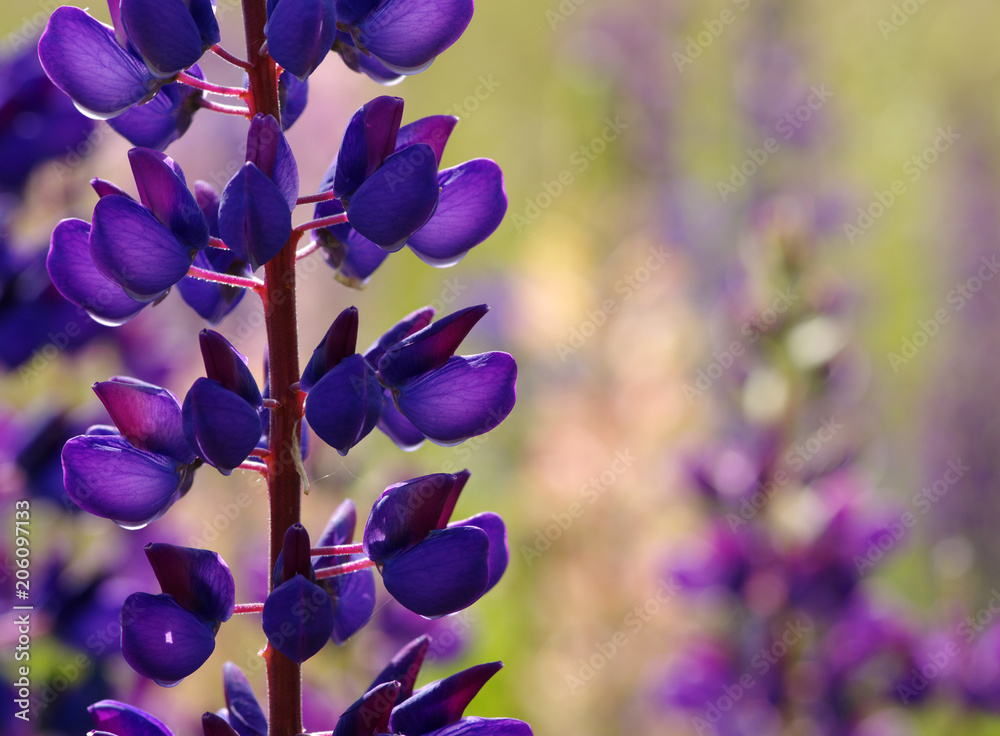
column 218, row 243
column 242, row 112
column 261, row 453
column 218, row 89
column 255, row 467
column 344, row 569
column 224, row 278
column 313, row 198
column 339, row 549
column 232, row 59
column 322, row 222
column 307, row 251
column 248, row 608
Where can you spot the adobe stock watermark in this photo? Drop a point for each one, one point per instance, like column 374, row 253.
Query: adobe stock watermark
column 625, row 287
column 883, row 200
column 469, row 104
column 785, row 127
column 761, row 663
column 713, row 28
column 894, row 532
column 606, row 650
column 589, row 493
column 579, row 161
column 752, row 329
column 563, row 11
column 900, row 16
column 957, row 298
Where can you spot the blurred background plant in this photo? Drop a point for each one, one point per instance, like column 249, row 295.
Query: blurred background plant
column 678, row 172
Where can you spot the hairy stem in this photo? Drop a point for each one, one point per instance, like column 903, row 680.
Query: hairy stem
column 284, row 679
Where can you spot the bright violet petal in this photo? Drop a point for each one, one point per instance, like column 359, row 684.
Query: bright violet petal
column 344, row 405
column 221, row 424
column 495, row 529
column 227, row 366
column 398, row 199
column 369, row 714
column 133, row 249
column 404, row 667
column 163, row 641
column 166, row 195
column 303, row 609
column 82, row 58
column 468, row 396
column 471, row 206
column 433, row 130
column 208, row 202
column 443, row 702
column 72, row 270
column 268, row 149
column 353, row 256
column 164, row 32
column 408, row 35
column 429, row 348
column 398, row 428
column 293, row 96
column 107, row 477
column 254, row 218
column 339, row 342
column 473, row 726
column 203, row 12
column 351, row 11
column 245, row 713
column 369, row 139
column 103, row 188
column 358, row 62
column 213, row 302
column 355, row 603
column 198, row 579
column 300, row 34
column 446, row 572
column 409, row 325
column 147, row 415
column 339, row 530
column 162, row 120
column 120, row 719
column 407, row 512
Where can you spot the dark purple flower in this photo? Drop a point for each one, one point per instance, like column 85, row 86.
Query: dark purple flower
column 106, row 70
column 403, row 36
column 163, row 119
column 430, row 566
column 298, row 615
column 446, row 397
column 221, row 413
column 352, row 595
column 120, row 719
column 386, row 178
column 300, row 33
column 169, row 636
column 133, row 472
column 213, row 301
column 243, row 713
column 293, row 95
column 255, row 213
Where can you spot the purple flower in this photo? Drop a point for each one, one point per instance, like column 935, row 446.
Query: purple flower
column 386, row 178
column 298, row 615
column 120, row 719
column 106, row 70
column 163, row 119
column 402, row 36
column 300, row 33
column 169, row 636
column 352, row 595
column 430, row 566
column 255, row 213
column 133, row 472
column 221, row 413
column 242, row 712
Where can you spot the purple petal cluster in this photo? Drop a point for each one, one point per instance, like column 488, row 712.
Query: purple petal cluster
column 429, row 564
column 106, row 70
column 167, row 637
column 386, row 179
column 409, row 383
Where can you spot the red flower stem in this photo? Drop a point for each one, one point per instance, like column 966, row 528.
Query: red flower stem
column 224, row 278
column 248, row 608
column 242, row 112
column 339, row 549
column 308, row 250
column 313, row 198
column 322, row 222
column 284, row 677
column 185, row 78
column 234, row 60
column 344, row 569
